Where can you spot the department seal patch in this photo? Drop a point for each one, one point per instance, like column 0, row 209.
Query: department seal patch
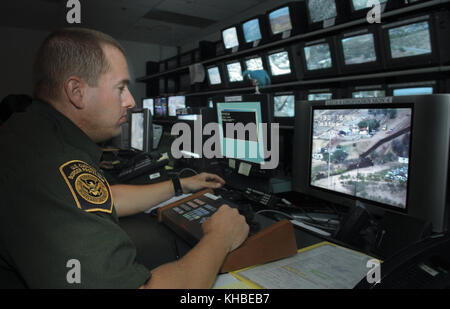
column 89, row 188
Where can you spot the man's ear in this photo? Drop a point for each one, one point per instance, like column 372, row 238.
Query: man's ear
column 75, row 90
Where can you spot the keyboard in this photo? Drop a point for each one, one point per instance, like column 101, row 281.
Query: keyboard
column 146, row 165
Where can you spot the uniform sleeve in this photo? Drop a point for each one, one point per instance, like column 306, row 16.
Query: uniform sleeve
column 52, row 243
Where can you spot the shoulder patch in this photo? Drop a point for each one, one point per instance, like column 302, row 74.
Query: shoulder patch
column 89, row 188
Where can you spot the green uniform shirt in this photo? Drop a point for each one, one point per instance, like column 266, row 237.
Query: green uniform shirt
column 57, row 209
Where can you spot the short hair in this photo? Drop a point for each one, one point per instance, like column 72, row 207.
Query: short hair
column 70, row 51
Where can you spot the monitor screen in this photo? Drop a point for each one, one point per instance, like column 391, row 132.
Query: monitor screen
column 137, row 131
column 318, row 57
column 234, row 72
column 413, row 91
column 230, row 37
column 369, row 94
column 175, row 103
column 362, row 152
column 254, row 64
column 279, row 63
column 410, row 40
column 320, row 10
column 320, row 96
column 148, row 104
column 252, row 31
column 359, row 49
column 245, row 143
column 284, row 106
column 362, row 4
column 214, row 76
column 160, row 107
column 280, row 20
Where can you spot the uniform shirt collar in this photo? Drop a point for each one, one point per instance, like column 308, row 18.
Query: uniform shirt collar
column 71, row 133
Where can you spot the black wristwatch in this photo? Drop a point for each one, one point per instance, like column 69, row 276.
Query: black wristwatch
column 177, row 186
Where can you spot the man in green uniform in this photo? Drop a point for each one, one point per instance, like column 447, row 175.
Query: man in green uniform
column 59, row 216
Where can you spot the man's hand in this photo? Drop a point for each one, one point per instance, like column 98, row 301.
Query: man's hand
column 201, row 181
column 228, row 226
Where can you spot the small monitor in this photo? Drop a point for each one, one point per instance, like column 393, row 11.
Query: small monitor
column 252, row 30
column 160, row 107
column 148, row 104
column 176, row 102
column 234, row 71
column 284, row 105
column 230, row 38
column 320, row 96
column 369, row 94
column 214, row 76
column 318, row 58
column 359, row 50
column 254, row 63
column 413, row 88
column 321, row 10
column 418, row 41
column 280, row 20
column 413, row 91
column 279, row 63
column 359, row 5
column 140, row 130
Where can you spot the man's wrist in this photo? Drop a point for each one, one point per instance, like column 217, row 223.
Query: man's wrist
column 177, row 186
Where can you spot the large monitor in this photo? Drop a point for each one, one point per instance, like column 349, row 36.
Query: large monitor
column 319, row 58
column 417, row 41
column 391, row 154
column 359, row 50
column 160, row 107
column 148, row 104
column 283, row 110
column 176, row 102
column 287, row 20
column 241, row 130
column 281, row 65
column 141, row 137
column 325, row 13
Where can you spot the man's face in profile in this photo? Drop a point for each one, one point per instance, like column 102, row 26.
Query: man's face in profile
column 111, row 98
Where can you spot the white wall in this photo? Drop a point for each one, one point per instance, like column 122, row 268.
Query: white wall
column 19, row 46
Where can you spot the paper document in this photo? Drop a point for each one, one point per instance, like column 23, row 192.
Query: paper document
column 172, row 200
column 322, row 266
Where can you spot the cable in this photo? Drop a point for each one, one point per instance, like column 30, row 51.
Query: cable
column 276, row 211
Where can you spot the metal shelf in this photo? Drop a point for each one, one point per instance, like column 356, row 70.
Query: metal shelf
column 414, row 7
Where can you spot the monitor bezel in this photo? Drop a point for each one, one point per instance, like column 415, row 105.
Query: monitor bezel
column 356, row 14
column 434, row 84
column 371, row 87
column 319, row 106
